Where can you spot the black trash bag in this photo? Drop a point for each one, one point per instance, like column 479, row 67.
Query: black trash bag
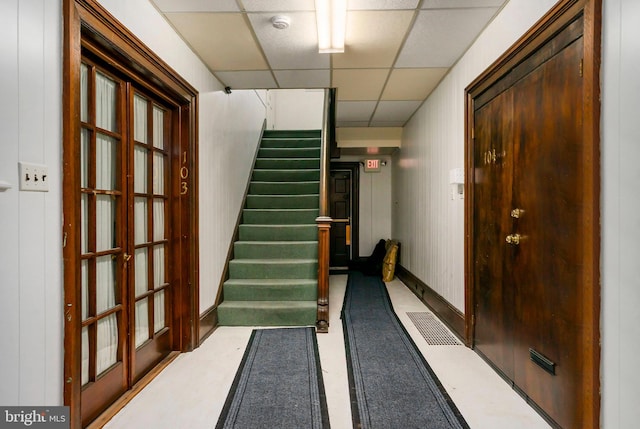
column 372, row 266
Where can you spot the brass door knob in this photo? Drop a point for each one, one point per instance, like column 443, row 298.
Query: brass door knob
column 516, row 213
column 513, row 239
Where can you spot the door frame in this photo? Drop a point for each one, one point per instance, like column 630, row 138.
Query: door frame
column 354, row 167
column 87, row 25
column 562, row 14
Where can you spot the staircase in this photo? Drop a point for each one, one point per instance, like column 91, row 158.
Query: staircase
column 273, row 277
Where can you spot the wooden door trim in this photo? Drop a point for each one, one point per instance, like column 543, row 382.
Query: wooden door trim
column 559, row 17
column 88, row 25
column 355, row 198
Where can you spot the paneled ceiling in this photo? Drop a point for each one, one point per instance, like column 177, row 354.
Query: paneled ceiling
column 396, row 51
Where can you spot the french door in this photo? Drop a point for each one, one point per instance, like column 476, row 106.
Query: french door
column 125, row 294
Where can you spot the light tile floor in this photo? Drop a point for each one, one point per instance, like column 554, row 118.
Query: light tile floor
column 191, row 391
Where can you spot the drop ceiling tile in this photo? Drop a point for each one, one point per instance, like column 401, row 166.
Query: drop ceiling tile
column 197, row 5
column 247, row 79
column 356, row 85
column 278, row 5
column 293, row 48
column 303, row 78
column 449, row 4
column 223, row 40
column 388, row 124
column 382, row 4
column 439, row 37
column 354, row 111
column 412, row 84
column 373, row 38
column 395, row 111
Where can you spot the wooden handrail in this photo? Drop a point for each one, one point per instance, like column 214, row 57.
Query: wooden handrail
column 324, row 219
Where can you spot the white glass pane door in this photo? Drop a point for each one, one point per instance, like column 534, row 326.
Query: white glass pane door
column 101, row 224
column 150, row 166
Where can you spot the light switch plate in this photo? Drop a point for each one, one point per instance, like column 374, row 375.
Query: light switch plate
column 33, row 177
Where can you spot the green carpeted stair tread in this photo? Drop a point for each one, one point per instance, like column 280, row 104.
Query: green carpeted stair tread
column 270, row 289
column 275, row 232
column 289, row 152
column 267, row 313
column 275, row 249
column 284, row 188
column 273, row 269
column 275, row 142
column 279, row 217
column 302, row 201
column 269, row 134
column 285, row 175
column 287, row 163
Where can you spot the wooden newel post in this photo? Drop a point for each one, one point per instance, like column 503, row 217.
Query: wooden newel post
column 322, row 318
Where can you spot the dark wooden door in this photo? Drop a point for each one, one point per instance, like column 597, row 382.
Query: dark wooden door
column 545, row 270
column 529, row 224
column 340, row 207
column 492, row 198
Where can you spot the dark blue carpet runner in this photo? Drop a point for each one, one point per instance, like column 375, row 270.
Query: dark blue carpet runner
column 279, row 383
column 391, row 385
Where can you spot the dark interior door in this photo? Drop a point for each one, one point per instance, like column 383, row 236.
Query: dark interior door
column 529, row 223
column 492, row 198
column 545, row 273
column 340, row 207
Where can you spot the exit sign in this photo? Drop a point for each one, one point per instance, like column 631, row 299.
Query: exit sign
column 371, row 165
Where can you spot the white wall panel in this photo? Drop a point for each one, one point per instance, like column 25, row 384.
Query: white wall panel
column 620, row 214
column 30, row 253
column 228, row 141
column 9, row 201
column 429, row 224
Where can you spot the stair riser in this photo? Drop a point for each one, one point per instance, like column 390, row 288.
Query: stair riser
column 291, row 164
column 289, row 153
column 285, row 175
column 289, row 143
column 278, row 233
column 294, row 270
column 270, row 293
column 284, row 217
column 268, row 317
column 266, row 250
column 282, row 201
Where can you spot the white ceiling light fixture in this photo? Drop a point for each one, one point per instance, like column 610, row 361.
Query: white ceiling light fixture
column 331, row 16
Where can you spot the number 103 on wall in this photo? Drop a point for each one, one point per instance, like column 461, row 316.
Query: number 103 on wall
column 184, row 174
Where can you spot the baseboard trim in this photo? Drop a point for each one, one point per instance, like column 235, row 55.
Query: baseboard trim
column 451, row 316
column 208, row 323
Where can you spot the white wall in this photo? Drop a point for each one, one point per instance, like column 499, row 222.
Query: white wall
column 227, row 147
column 428, row 223
column 31, row 286
column 295, row 109
column 620, row 214
column 30, row 223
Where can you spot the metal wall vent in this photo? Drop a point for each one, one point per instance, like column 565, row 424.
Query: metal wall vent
column 433, row 331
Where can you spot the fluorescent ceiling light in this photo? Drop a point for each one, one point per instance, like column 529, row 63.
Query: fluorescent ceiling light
column 331, row 16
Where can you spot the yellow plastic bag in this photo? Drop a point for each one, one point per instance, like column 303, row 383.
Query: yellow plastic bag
column 389, row 263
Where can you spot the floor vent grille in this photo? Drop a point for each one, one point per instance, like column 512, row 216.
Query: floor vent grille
column 433, row 331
